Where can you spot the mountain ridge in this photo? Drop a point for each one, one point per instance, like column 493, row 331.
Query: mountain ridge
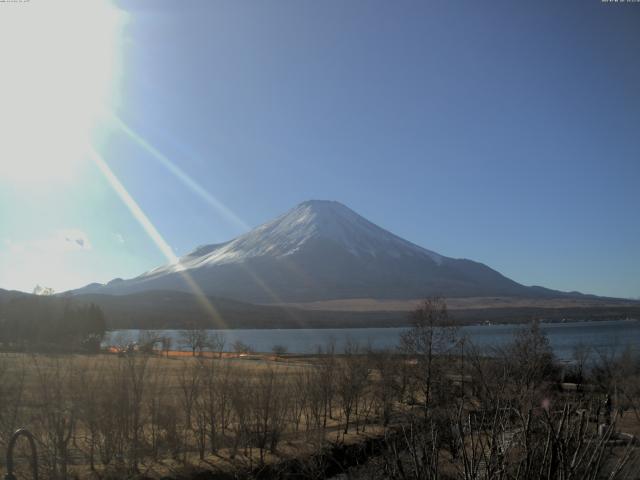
column 322, row 250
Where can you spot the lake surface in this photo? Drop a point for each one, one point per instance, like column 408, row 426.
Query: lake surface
column 602, row 335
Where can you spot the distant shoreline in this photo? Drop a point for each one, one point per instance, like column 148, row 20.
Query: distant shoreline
column 614, row 334
column 380, row 319
column 404, row 325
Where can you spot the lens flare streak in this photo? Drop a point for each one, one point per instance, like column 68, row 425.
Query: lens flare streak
column 180, row 174
column 155, row 236
column 194, row 187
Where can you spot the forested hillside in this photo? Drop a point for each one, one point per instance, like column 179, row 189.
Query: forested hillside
column 37, row 322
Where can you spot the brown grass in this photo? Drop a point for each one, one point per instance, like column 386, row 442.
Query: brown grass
column 381, row 305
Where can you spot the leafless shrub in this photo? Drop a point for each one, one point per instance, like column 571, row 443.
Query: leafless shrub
column 267, row 408
column 195, row 339
column 241, row 347
column 12, row 390
column 57, row 411
column 387, row 388
column 279, row 349
column 148, row 340
column 618, row 374
column 217, row 342
column 352, row 377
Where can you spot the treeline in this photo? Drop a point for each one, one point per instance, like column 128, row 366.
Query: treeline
column 48, row 323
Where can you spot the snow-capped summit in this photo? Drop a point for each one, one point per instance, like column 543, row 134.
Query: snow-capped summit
column 310, row 222
column 334, row 221
column 321, row 250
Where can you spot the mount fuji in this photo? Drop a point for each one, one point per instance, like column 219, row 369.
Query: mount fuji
column 321, row 250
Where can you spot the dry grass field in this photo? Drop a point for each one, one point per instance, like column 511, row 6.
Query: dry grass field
column 375, row 305
column 156, row 416
column 136, row 415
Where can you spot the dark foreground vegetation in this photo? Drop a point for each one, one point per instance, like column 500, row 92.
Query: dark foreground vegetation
column 435, row 409
column 45, row 323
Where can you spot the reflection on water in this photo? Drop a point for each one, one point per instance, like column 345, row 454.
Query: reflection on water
column 605, row 335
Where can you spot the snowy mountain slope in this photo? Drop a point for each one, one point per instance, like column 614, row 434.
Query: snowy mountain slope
column 322, row 250
column 291, row 232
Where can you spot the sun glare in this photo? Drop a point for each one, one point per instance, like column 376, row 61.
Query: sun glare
column 60, row 63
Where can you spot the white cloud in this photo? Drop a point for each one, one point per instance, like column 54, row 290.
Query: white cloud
column 119, row 238
column 64, row 240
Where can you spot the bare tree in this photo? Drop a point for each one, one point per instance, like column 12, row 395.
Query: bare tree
column 135, row 369
column 223, row 397
column 208, row 403
column 89, row 382
column 121, row 342
column 618, row 374
column 147, row 341
column 111, row 417
column 189, row 383
column 279, row 350
column 166, row 344
column 156, row 403
column 534, row 446
column 298, row 398
column 432, row 334
column 58, row 411
column 352, row 376
column 385, row 389
column 217, row 342
column 267, row 411
column 580, row 355
column 196, row 340
column 316, row 399
column 12, row 391
column 325, row 380
column 241, row 397
column 240, row 347
column 530, row 362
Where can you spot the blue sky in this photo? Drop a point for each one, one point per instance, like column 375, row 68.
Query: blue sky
column 505, row 132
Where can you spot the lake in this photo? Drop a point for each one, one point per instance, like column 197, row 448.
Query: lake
column 601, row 335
